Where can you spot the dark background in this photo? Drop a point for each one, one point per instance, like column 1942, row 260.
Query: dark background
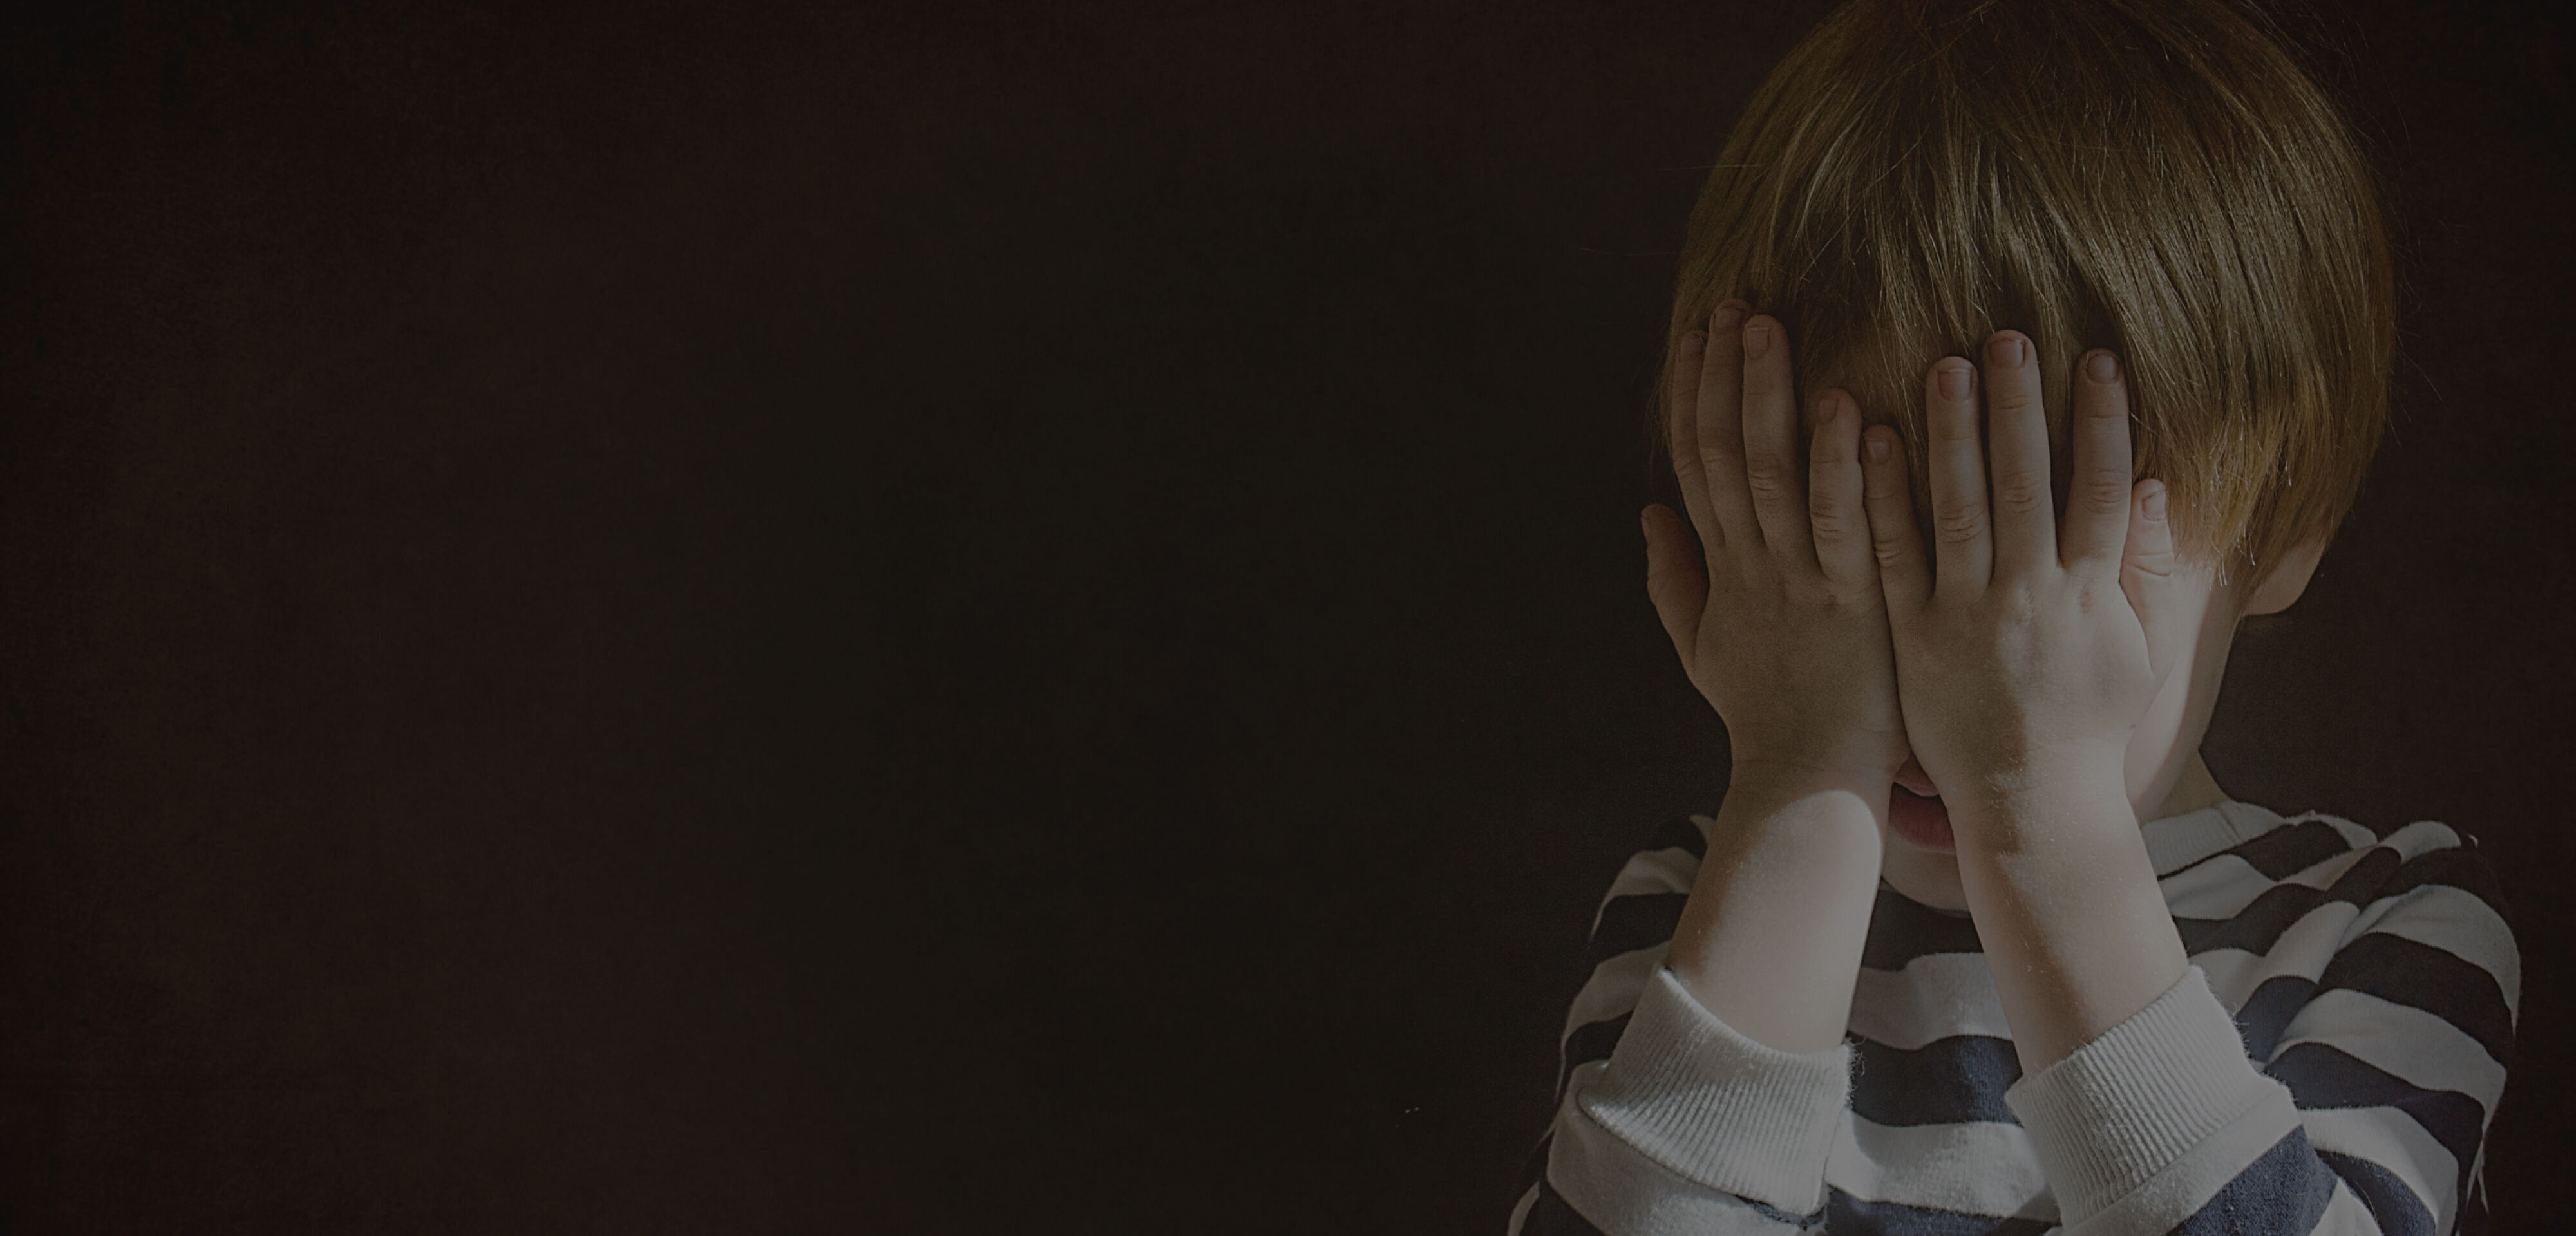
column 673, row 618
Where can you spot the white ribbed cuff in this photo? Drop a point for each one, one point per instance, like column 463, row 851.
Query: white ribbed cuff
column 1689, row 1092
column 2133, row 1102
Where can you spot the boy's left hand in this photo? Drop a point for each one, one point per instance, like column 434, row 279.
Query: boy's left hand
column 2027, row 650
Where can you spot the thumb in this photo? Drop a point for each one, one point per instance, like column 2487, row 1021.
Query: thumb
column 2150, row 576
column 1675, row 581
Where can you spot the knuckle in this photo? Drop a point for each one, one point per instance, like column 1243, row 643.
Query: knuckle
column 1959, row 521
column 1830, row 512
column 2019, row 493
column 1767, row 474
column 2104, row 491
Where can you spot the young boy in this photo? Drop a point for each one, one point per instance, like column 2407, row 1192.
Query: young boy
column 1925, row 970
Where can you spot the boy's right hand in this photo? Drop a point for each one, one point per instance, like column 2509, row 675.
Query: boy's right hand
column 1776, row 611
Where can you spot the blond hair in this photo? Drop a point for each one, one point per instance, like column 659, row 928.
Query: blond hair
column 2157, row 177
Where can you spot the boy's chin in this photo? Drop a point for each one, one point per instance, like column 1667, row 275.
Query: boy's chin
column 1923, row 876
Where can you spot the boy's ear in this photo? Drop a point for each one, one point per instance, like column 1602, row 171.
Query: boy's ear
column 2281, row 587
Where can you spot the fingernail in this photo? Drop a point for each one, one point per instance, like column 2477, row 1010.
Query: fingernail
column 1829, row 407
column 2153, row 502
column 2102, row 368
column 1958, row 380
column 2007, row 352
column 1693, row 341
column 1757, row 339
column 1729, row 315
column 1877, row 448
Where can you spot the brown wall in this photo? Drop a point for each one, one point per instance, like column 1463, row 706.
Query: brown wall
column 666, row 618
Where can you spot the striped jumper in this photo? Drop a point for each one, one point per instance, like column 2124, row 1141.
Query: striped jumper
column 2328, row 1064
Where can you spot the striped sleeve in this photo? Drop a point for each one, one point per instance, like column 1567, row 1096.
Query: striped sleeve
column 1668, row 1120
column 2363, row 1110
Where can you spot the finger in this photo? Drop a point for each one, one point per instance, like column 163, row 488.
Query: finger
column 2098, row 492
column 1903, row 572
column 1675, row 581
column 1681, row 435
column 1962, row 549
column 1771, row 472
column 2025, row 520
column 2150, row 576
column 1835, row 503
column 1719, row 429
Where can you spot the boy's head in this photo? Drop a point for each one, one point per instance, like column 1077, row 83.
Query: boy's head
column 2156, row 177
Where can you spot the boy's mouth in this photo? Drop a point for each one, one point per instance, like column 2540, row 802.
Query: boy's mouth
column 1915, row 811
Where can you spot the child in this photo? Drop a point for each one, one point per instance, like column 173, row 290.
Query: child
column 2093, row 317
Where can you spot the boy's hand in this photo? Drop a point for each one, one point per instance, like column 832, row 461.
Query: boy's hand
column 1776, row 611
column 2037, row 649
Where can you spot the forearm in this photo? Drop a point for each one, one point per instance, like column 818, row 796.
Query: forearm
column 2076, row 931
column 1771, row 939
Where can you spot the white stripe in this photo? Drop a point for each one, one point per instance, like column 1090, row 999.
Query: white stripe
column 1613, row 988
column 1651, row 871
column 2409, row 1044
column 2457, row 922
column 1520, row 1212
column 2303, row 949
column 1972, row 1167
column 2345, row 1215
column 1932, row 998
column 2423, row 837
column 2354, row 835
column 2178, row 841
column 2220, row 887
column 2225, row 885
column 2391, row 1139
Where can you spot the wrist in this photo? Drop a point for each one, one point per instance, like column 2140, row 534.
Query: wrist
column 1829, row 814
column 1799, row 776
column 2067, row 797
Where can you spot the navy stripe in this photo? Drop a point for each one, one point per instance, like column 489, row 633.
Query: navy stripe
column 1631, row 923
column 2268, row 1012
column 1782, row 1217
column 2451, row 867
column 1900, row 931
column 2323, row 1077
column 1590, row 1041
column 1534, row 1167
column 2259, row 925
column 1947, row 1081
column 2420, row 976
column 1679, row 834
column 1552, row 1215
column 2399, row 1211
column 2285, row 852
column 2283, row 1193
column 2273, row 857
column 2378, row 875
column 2474, row 1220
column 1845, row 1213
